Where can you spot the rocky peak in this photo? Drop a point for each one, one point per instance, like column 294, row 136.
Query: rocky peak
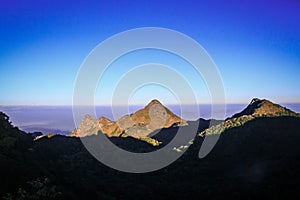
column 155, row 116
column 254, row 100
column 88, row 126
column 139, row 124
column 263, row 107
column 154, row 101
column 257, row 108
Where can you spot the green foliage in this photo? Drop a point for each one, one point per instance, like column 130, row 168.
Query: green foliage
column 125, row 135
column 49, row 135
column 115, row 132
column 241, row 120
column 181, row 123
column 149, row 140
column 228, row 124
column 180, row 148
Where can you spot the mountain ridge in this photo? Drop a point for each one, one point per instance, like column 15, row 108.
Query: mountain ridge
column 255, row 109
column 242, row 161
column 263, row 107
column 139, row 125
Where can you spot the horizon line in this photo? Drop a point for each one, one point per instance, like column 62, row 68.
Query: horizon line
column 168, row 104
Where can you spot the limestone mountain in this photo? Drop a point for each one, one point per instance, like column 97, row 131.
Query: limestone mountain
column 139, row 125
column 257, row 108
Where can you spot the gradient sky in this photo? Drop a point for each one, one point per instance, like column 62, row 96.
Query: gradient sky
column 255, row 44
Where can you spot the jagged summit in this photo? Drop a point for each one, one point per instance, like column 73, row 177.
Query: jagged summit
column 155, row 116
column 154, row 101
column 262, row 107
column 254, row 100
column 138, row 125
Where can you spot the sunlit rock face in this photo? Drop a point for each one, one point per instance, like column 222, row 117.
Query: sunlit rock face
column 138, row 125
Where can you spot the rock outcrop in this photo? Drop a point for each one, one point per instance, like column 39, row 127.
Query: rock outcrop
column 139, row 125
column 88, row 126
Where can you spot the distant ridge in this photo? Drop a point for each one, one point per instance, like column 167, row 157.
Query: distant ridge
column 137, row 125
column 257, row 108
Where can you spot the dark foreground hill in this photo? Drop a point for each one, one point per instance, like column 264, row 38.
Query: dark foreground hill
column 259, row 159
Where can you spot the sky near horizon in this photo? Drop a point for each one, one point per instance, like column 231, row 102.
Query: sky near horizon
column 255, row 45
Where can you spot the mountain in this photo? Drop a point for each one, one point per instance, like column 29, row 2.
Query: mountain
column 138, row 125
column 263, row 107
column 257, row 160
column 257, row 108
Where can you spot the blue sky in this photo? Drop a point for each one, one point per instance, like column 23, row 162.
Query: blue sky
column 255, row 44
